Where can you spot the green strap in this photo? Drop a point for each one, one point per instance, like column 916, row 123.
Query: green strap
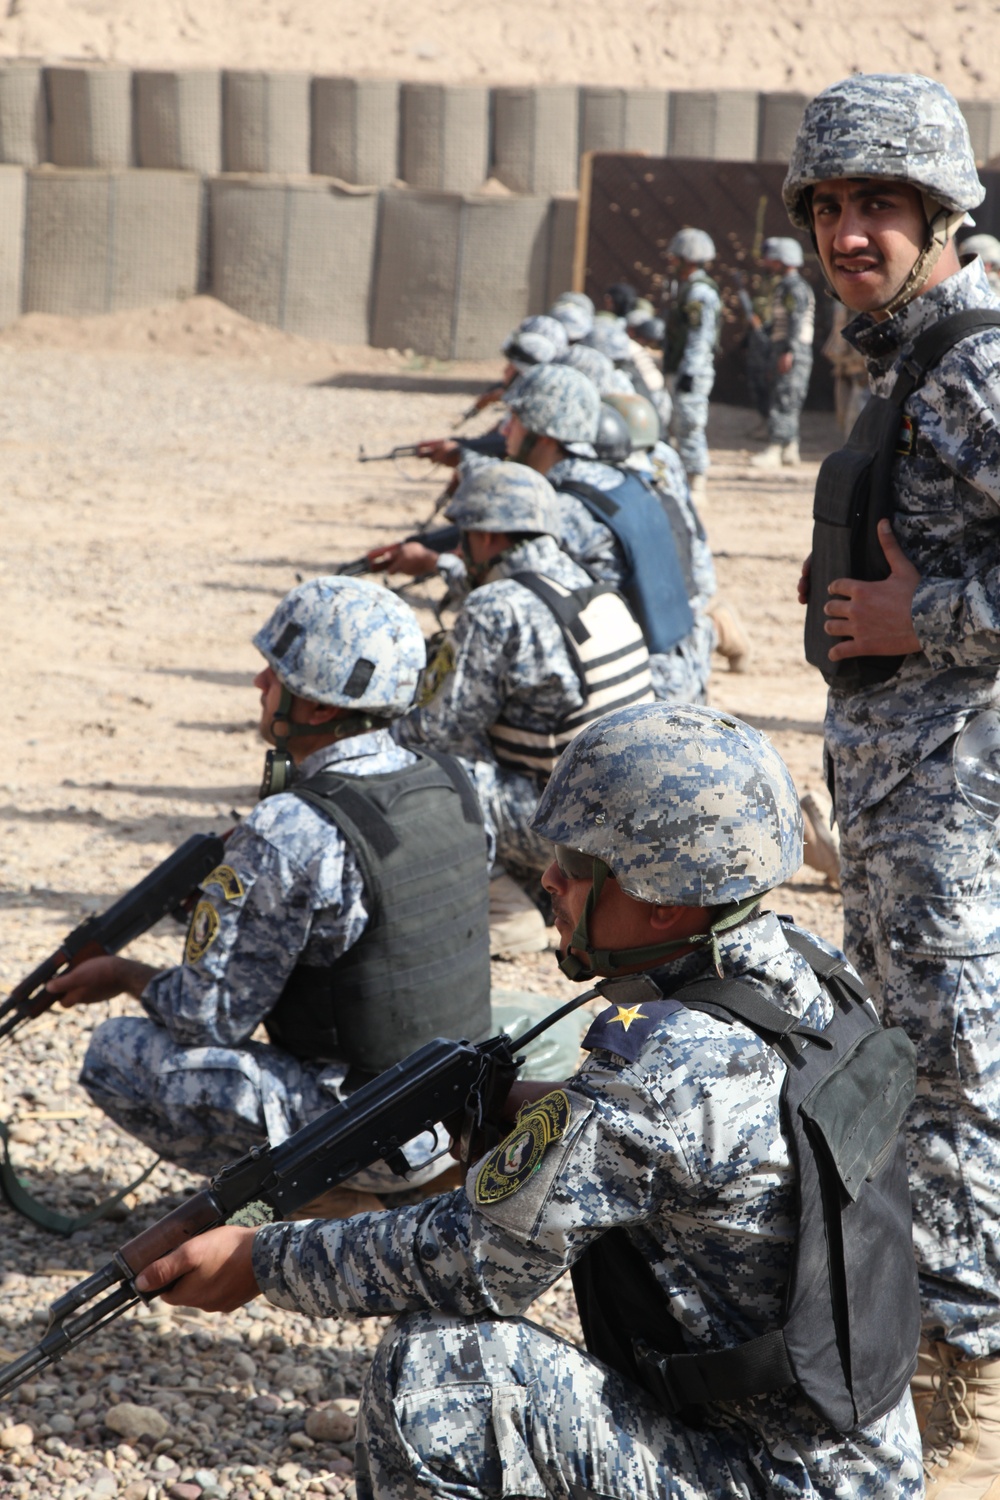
column 607, row 961
column 28, row 1207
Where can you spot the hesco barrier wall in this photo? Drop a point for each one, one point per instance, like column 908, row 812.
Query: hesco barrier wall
column 422, row 216
column 632, row 206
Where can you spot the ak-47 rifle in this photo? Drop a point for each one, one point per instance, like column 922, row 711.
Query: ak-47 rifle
column 492, row 444
column 162, row 891
column 442, row 539
column 451, row 1081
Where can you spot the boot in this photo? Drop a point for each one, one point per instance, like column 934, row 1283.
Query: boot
column 697, row 485
column 959, row 1402
column 733, row 642
column 516, row 924
column 769, row 459
column 790, row 454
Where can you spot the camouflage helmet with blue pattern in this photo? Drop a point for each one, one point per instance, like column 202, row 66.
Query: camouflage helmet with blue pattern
column 535, row 341
column 506, row 497
column 346, row 642
column 687, row 806
column 597, row 367
column 693, row 245
column 558, row 402
column 898, row 126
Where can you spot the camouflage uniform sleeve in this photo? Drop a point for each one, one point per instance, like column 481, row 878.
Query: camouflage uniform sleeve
column 701, row 316
column 801, row 312
column 577, row 1161
column 247, row 933
column 957, row 620
column 469, row 677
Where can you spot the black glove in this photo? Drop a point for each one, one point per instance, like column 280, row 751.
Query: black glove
column 684, row 384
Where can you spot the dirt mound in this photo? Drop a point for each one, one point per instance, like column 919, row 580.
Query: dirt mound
column 784, row 44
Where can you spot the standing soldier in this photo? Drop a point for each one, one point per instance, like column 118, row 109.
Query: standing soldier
column 693, row 315
column 882, row 175
column 792, row 326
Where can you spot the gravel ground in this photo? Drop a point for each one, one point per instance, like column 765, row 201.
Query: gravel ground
column 154, row 507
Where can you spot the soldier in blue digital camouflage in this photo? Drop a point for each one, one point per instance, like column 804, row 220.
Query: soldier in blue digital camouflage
column 662, row 1162
column 882, row 175
column 537, row 651
column 791, row 325
column 609, row 522
column 693, row 314
column 295, row 929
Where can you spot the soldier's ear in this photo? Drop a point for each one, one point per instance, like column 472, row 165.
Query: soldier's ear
column 320, row 713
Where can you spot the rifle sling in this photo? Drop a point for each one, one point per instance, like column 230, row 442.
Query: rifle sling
column 28, row 1207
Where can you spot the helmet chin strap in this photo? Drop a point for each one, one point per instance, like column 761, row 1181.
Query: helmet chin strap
column 279, row 767
column 607, row 962
column 527, row 447
column 942, row 225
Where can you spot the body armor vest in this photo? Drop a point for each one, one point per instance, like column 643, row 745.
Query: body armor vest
column 854, row 491
column 421, row 968
column 610, row 659
column 654, row 581
column 848, row 1341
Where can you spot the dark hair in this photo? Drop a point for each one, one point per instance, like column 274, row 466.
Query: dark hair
column 623, row 298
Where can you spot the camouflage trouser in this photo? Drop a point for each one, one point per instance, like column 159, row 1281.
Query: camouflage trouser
column 204, row 1106
column 758, row 358
column 788, row 394
column 921, row 883
column 459, row 1408
column 681, row 675
column 508, row 800
column 690, row 421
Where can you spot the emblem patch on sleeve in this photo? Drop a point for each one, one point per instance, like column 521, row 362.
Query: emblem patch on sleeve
column 907, row 436
column 202, row 933
column 440, row 665
column 226, row 878
column 515, row 1161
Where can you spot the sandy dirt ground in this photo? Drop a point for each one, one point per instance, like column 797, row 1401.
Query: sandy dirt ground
column 785, row 44
column 159, row 494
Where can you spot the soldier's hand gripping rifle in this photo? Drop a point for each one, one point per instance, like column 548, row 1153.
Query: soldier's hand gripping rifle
column 162, row 891
column 464, row 1085
column 442, row 539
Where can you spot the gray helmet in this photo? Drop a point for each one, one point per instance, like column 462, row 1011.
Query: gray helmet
column 506, row 497
column 578, row 299
column 535, row 341
column 613, row 444
column 576, row 320
column 986, row 246
column 693, row 245
column 899, row 126
column 652, row 329
column 347, row 642
column 685, row 806
column 640, row 417
column 558, row 402
column 608, row 336
column 590, row 362
column 783, row 248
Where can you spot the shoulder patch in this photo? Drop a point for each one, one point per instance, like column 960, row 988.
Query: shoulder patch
column 226, row 878
column 517, row 1158
column 440, row 665
column 625, row 1029
column 692, row 312
column 202, row 933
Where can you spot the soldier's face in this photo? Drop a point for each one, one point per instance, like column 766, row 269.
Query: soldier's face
column 270, row 696
column 868, row 234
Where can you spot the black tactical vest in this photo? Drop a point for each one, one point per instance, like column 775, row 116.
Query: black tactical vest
column 421, row 968
column 654, row 580
column 854, row 491
column 848, row 1341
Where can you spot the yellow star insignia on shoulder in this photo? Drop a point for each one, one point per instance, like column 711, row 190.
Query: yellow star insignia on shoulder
column 627, row 1014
